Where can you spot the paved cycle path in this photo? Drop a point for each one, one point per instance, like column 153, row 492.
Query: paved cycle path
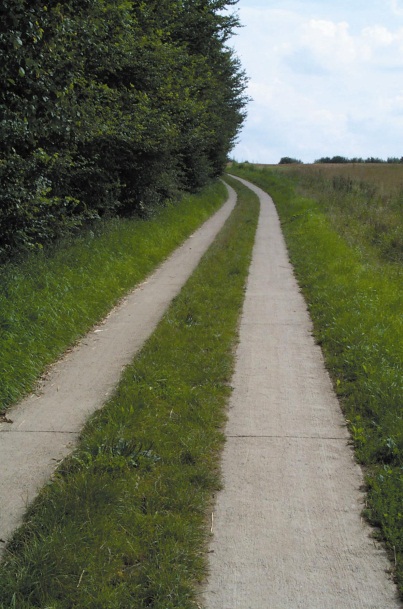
column 46, row 425
column 287, row 530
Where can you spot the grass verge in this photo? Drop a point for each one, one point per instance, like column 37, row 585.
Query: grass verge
column 356, row 303
column 364, row 204
column 123, row 524
column 53, row 297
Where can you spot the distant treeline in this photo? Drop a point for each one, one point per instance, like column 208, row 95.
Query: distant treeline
column 342, row 159
column 110, row 108
column 286, row 160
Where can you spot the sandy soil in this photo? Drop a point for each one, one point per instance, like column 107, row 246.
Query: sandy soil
column 45, row 426
column 287, row 528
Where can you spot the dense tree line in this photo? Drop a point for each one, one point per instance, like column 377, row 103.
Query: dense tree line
column 110, row 107
column 288, row 160
column 371, row 159
column 338, row 159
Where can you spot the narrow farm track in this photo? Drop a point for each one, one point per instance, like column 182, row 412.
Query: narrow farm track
column 46, row 425
column 287, row 529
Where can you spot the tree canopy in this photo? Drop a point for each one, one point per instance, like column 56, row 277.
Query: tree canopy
column 110, row 107
column 288, row 160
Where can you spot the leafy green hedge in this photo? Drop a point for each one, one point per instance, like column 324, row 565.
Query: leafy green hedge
column 110, row 108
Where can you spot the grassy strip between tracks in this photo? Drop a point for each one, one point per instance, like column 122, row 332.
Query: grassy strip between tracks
column 125, row 521
column 51, row 298
column 355, row 302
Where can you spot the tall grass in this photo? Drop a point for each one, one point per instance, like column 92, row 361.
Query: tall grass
column 51, row 298
column 124, row 523
column 364, row 203
column 354, row 296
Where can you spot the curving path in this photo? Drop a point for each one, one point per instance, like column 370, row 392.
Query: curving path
column 287, row 531
column 46, row 425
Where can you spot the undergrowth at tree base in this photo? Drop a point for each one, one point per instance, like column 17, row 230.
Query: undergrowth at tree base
column 354, row 297
column 123, row 523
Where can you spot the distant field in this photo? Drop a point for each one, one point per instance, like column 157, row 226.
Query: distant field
column 364, row 201
column 387, row 175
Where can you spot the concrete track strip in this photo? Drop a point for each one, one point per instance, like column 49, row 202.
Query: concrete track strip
column 45, row 426
column 287, row 527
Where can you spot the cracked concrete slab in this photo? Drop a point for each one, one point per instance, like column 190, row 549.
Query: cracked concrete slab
column 288, row 532
column 46, row 425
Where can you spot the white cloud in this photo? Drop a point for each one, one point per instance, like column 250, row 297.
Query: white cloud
column 334, row 44
column 379, row 35
column 396, row 7
column 322, row 84
column 392, row 105
column 326, row 38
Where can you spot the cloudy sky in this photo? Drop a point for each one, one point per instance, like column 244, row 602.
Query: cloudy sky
column 326, row 78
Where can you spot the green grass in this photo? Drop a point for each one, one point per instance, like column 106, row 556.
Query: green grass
column 364, row 203
column 124, row 523
column 355, row 299
column 53, row 297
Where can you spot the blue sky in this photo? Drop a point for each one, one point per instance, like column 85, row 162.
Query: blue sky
column 326, row 78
